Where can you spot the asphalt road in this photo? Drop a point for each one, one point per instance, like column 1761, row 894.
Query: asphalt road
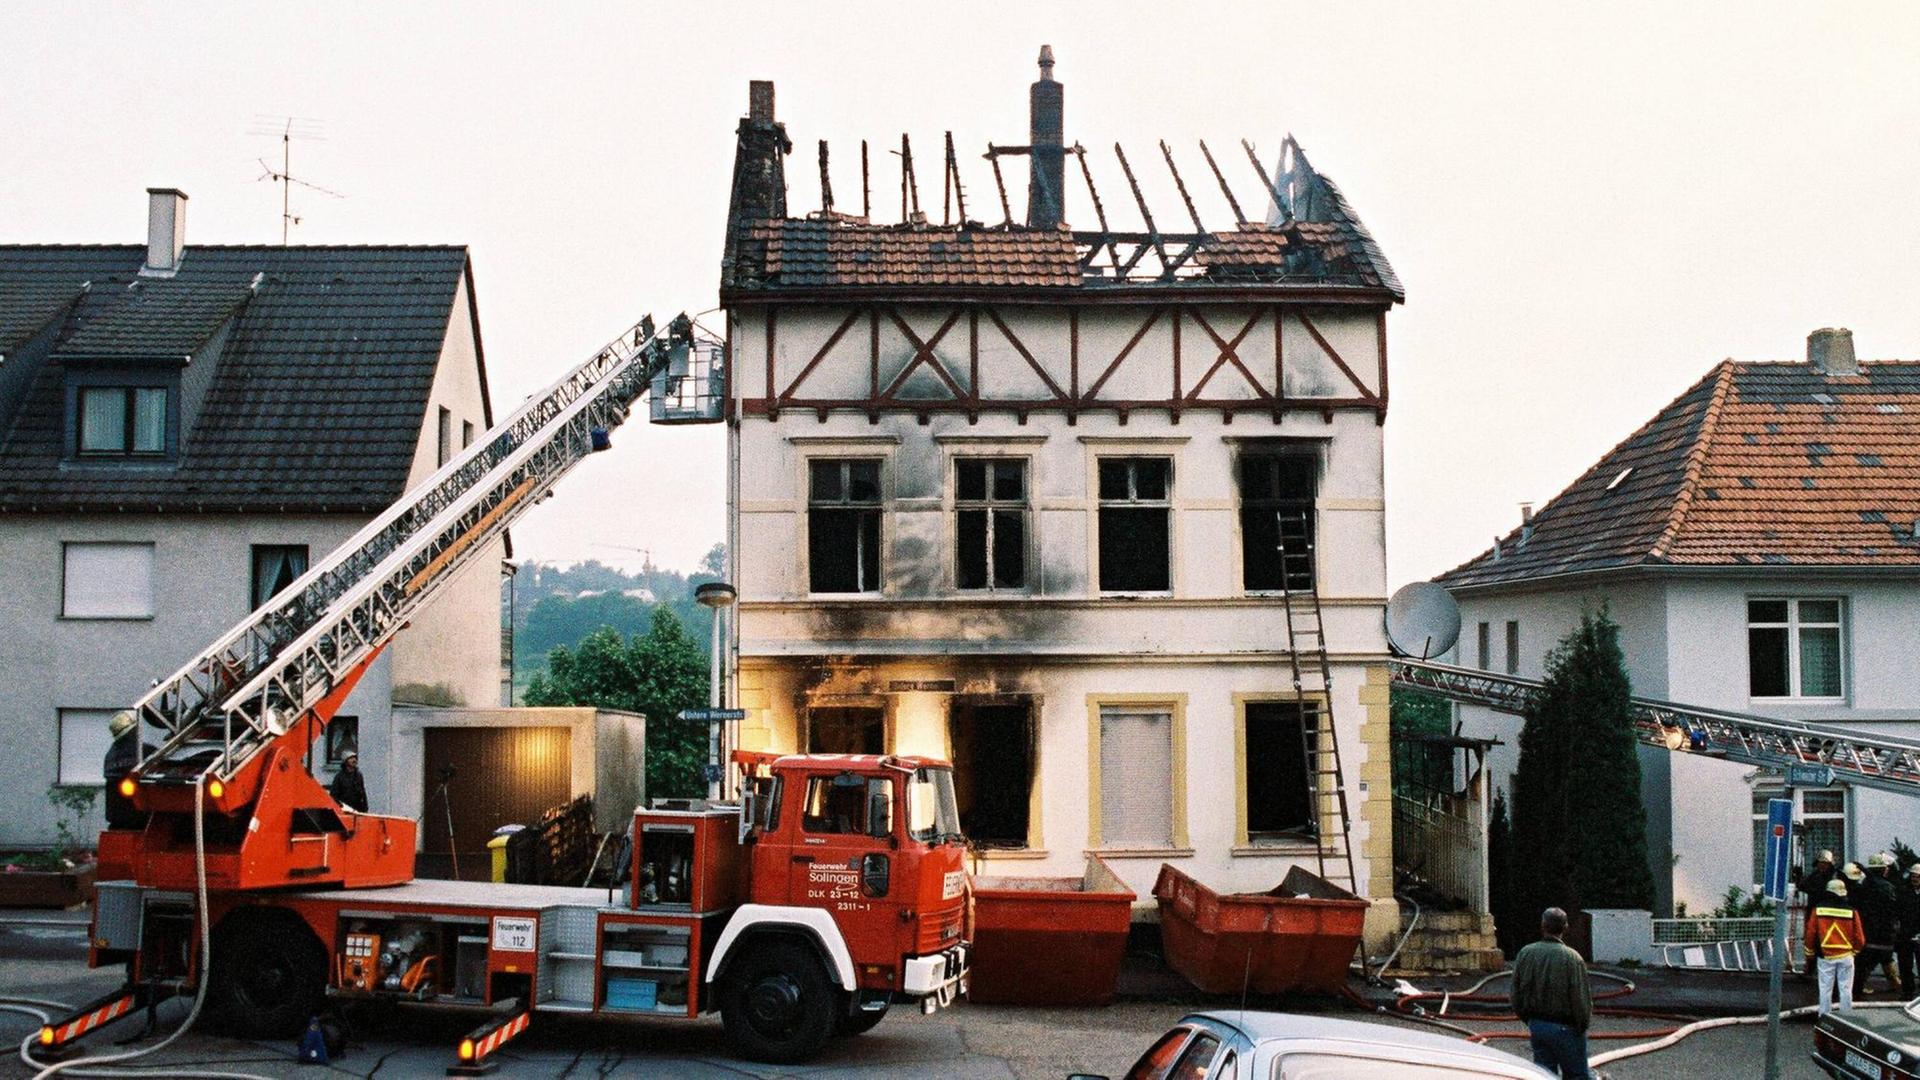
column 966, row 1041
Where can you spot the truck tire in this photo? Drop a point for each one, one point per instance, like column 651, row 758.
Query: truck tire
column 858, row 1022
column 777, row 1004
column 269, row 974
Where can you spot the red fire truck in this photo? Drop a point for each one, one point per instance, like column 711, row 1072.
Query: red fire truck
column 830, row 889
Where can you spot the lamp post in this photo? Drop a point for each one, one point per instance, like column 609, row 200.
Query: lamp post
column 714, row 596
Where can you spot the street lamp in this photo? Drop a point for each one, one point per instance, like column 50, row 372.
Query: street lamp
column 714, row 596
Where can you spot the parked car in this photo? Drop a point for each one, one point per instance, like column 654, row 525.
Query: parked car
column 1235, row 1045
column 1869, row 1044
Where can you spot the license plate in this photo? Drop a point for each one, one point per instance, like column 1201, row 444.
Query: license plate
column 1862, row 1063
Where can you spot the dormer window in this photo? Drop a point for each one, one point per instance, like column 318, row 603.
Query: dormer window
column 121, row 421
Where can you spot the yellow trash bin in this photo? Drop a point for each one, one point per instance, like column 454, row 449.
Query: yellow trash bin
column 497, row 847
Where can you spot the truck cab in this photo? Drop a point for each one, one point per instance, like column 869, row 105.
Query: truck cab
column 858, row 860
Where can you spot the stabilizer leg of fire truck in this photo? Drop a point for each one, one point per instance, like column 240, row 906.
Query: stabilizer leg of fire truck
column 509, row 1020
column 60, row 1038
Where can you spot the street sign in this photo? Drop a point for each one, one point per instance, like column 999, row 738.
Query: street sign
column 1779, row 835
column 1809, row 775
column 708, row 716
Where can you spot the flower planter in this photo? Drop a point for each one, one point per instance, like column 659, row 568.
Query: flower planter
column 1049, row 941
column 47, row 888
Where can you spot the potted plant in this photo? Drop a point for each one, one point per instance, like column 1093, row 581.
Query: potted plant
column 63, row 875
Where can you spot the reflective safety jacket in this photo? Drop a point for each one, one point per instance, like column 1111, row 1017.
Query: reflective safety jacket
column 1834, row 932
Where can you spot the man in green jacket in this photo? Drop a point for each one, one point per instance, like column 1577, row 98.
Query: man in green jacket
column 1550, row 993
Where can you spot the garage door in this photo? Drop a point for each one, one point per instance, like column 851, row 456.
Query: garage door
column 501, row 776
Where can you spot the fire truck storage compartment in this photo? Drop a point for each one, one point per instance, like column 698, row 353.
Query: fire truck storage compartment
column 424, row 956
column 1049, row 941
column 646, row 966
column 689, row 857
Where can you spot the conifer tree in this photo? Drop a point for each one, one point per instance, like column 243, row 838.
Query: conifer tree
column 1579, row 828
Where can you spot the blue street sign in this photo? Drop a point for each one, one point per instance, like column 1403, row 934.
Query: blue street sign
column 1779, row 835
column 708, row 716
column 1803, row 774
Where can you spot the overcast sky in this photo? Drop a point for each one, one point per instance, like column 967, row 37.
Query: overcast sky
column 1588, row 207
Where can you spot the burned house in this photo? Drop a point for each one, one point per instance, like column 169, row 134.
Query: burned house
column 1077, row 497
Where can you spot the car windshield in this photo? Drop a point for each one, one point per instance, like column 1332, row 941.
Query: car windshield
column 933, row 814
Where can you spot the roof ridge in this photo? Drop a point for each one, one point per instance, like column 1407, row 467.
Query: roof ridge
column 1696, row 461
column 1616, row 448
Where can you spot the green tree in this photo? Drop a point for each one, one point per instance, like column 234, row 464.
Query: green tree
column 1579, row 829
column 1417, row 765
column 657, row 674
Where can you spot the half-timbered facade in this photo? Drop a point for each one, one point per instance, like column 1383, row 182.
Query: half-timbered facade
column 1027, row 496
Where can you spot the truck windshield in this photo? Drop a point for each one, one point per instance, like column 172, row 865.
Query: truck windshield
column 933, row 815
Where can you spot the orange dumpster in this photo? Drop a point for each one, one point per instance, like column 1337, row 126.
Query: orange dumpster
column 1299, row 936
column 1049, row 941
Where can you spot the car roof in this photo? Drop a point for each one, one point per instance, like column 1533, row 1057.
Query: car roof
column 1264, row 1026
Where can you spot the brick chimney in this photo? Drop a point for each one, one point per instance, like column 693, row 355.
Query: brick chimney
column 759, row 176
column 1046, row 186
column 166, row 230
column 1831, row 351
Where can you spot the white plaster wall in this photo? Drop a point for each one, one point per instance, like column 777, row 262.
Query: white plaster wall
column 456, row 639
column 202, row 570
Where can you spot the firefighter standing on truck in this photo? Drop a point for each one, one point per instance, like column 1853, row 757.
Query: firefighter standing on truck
column 349, row 787
column 1834, row 935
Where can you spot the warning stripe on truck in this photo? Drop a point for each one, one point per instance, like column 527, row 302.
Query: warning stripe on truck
column 490, row 1037
column 96, row 1014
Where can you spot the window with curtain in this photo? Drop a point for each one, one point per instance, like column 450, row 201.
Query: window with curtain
column 276, row 566
column 1136, row 777
column 122, row 420
column 1796, row 648
column 106, row 581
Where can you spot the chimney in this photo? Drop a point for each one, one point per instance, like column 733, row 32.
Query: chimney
column 1046, row 188
column 1831, row 350
column 1526, row 523
column 166, row 229
column 759, row 176
column 760, row 101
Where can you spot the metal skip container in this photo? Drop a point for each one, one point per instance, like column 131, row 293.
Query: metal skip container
column 1300, row 936
column 1049, row 941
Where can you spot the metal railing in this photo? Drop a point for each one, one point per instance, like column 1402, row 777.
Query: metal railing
column 254, row 682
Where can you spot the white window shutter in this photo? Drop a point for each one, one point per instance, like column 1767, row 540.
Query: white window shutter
column 108, row 581
column 1136, row 778
column 84, row 740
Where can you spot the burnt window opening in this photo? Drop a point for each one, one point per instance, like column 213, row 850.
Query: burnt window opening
column 1277, row 488
column 1279, row 770
column 843, row 525
column 1136, row 507
column 990, row 523
column 846, row 731
column 995, row 747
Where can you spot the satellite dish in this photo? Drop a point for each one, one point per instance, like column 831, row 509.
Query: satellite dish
column 1422, row 620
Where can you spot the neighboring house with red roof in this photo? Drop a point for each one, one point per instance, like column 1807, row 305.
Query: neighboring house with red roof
column 1008, row 491
column 1758, row 542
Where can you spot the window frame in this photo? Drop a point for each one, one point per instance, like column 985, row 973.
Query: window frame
column 61, row 715
column 1757, row 816
column 1245, row 842
column 993, row 507
column 1794, row 625
column 254, row 600
column 1176, row 706
column 960, row 705
column 335, row 743
column 152, row 567
column 443, row 441
column 1272, row 450
column 1133, row 502
column 1513, row 646
column 129, row 393
column 1483, row 639
column 878, row 507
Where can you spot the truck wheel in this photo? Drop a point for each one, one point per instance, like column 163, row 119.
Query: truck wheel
column 269, row 975
column 777, row 1005
column 859, row 1022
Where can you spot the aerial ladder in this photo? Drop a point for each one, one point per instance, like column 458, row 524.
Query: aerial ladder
column 235, row 722
column 1840, row 755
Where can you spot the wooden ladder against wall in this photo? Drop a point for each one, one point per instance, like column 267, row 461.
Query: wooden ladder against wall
column 1307, row 656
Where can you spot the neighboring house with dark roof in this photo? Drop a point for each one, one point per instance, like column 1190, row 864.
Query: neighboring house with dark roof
column 1758, row 542
column 183, row 429
column 1008, row 492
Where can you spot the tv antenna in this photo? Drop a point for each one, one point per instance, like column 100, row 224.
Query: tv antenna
column 288, row 129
